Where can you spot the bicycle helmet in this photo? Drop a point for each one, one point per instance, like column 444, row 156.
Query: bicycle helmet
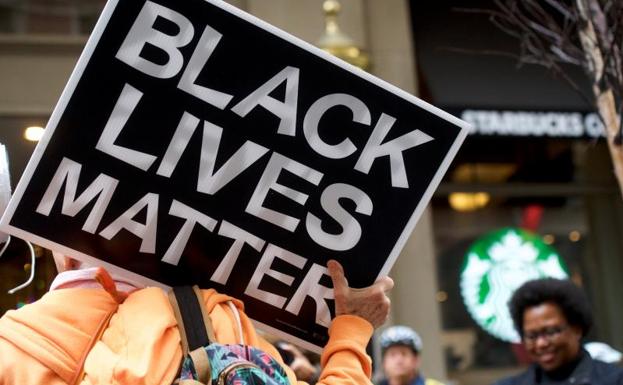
column 402, row 336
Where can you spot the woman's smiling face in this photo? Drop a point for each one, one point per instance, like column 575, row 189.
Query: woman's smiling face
column 549, row 339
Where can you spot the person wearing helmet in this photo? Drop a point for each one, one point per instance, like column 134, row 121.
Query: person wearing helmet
column 401, row 347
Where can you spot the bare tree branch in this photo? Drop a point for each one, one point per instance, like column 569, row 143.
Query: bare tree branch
column 584, row 33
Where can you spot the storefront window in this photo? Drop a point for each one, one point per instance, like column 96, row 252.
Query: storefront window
column 59, row 17
column 550, row 188
column 563, row 228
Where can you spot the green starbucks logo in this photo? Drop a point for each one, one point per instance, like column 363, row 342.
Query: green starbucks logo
column 495, row 266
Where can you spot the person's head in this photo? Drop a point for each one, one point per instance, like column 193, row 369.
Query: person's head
column 551, row 316
column 401, row 347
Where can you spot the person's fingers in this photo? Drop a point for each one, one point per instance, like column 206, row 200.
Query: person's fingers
column 336, row 271
column 385, row 283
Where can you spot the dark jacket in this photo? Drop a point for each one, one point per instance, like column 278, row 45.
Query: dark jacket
column 588, row 371
column 419, row 380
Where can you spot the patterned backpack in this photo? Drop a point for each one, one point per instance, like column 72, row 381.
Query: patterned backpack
column 209, row 363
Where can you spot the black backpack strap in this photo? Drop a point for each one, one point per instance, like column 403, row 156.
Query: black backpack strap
column 193, row 320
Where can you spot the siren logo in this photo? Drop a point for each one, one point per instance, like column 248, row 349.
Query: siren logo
column 495, row 266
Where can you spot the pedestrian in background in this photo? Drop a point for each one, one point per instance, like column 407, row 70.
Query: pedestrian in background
column 401, row 347
column 552, row 316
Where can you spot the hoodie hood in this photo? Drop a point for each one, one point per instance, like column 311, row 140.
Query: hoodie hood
column 53, row 333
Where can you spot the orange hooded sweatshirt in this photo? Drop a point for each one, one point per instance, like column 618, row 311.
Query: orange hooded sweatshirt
column 51, row 340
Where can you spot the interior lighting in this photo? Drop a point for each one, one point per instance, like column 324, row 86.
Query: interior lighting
column 548, row 239
column 464, row 202
column 441, row 296
column 574, row 236
column 33, row 133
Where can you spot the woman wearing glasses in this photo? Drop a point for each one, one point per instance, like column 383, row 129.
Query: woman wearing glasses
column 552, row 316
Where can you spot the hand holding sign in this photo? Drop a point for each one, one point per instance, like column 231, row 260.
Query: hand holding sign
column 370, row 303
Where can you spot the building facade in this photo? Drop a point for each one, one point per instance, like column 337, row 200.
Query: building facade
column 512, row 159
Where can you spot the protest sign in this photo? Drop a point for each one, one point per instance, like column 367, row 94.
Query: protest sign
column 5, row 186
column 196, row 144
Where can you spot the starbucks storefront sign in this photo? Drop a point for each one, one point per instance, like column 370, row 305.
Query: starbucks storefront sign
column 495, row 266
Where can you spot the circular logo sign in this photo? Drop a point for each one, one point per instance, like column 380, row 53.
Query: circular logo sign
column 495, row 266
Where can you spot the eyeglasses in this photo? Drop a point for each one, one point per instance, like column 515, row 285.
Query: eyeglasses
column 548, row 333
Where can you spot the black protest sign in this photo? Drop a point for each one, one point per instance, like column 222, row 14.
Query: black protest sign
column 197, row 144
